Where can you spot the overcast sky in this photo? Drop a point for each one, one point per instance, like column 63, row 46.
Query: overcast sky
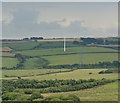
column 59, row 19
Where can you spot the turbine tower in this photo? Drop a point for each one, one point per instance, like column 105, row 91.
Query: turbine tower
column 64, row 45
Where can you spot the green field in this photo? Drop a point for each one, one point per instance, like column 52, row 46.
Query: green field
column 33, row 72
column 39, row 45
column 21, row 45
column 9, row 62
column 34, row 63
column 53, row 54
column 107, row 92
column 76, row 74
column 57, row 51
column 86, row 58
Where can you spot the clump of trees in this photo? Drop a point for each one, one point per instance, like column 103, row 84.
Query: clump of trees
column 46, row 86
column 35, row 96
column 33, row 38
column 105, row 72
column 21, row 58
column 92, row 40
column 28, row 91
column 8, row 96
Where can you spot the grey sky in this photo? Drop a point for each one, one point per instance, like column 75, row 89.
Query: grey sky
column 59, row 19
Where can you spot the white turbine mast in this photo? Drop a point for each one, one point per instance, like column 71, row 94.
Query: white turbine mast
column 64, row 44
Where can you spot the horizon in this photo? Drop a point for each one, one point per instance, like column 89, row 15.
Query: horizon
column 55, row 38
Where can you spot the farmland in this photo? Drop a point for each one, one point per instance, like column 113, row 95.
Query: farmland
column 44, row 63
column 56, row 56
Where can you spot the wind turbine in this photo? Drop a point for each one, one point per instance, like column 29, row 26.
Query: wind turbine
column 64, row 44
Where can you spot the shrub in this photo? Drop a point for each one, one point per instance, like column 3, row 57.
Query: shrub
column 70, row 97
column 28, row 91
column 9, row 96
column 35, row 96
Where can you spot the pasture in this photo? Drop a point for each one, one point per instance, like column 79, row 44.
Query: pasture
column 21, row 45
column 91, row 58
column 34, row 63
column 28, row 73
column 57, row 51
column 76, row 74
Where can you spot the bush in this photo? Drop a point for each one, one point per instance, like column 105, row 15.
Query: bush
column 9, row 96
column 70, row 97
column 35, row 96
column 105, row 72
column 28, row 91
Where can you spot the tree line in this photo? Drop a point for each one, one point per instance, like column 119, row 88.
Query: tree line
column 48, row 86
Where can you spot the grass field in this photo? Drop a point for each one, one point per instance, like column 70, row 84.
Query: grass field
column 9, row 62
column 86, row 58
column 56, row 51
column 76, row 74
column 21, row 45
column 32, row 72
column 41, row 44
column 107, row 92
column 34, row 63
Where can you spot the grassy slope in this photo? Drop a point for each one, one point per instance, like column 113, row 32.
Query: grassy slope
column 32, row 72
column 107, row 92
column 77, row 74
